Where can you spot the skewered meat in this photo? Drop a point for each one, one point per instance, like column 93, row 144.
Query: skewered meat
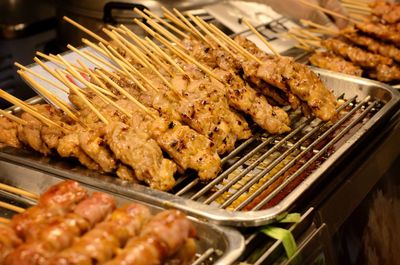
column 68, row 146
column 101, row 243
column 384, row 32
column 8, row 241
column 163, row 236
column 386, row 73
column 389, row 12
column 8, row 133
column 373, row 45
column 335, row 63
column 58, row 233
column 354, row 54
column 283, row 72
column 54, row 202
column 188, row 148
column 137, row 149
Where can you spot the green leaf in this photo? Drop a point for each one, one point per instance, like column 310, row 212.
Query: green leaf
column 285, row 236
column 291, row 218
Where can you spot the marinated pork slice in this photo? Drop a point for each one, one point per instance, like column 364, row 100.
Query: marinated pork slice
column 9, row 133
column 335, row 63
column 188, row 148
column 136, row 149
column 29, row 134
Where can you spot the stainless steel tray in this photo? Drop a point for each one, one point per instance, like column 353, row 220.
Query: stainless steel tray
column 215, row 244
column 373, row 101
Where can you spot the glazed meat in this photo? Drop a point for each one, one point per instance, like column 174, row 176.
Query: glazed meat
column 188, row 148
column 9, row 133
column 380, row 31
column 386, row 73
column 136, row 149
column 163, row 236
column 389, row 12
column 101, row 243
column 56, row 201
column 58, row 233
column 29, row 134
column 373, row 45
column 8, row 241
column 335, row 63
column 355, row 54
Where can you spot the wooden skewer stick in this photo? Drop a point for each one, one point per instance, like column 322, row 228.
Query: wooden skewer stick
column 18, row 191
column 60, row 87
column 126, row 94
column 13, row 117
column 49, row 95
column 136, row 53
column 299, row 40
column 101, row 95
column 318, row 26
column 168, row 14
column 324, row 10
column 93, row 59
column 28, row 109
column 12, row 207
column 304, row 33
column 86, row 30
column 168, row 25
column 197, row 33
column 203, row 27
column 157, row 27
column 264, row 40
column 357, row 7
column 5, row 221
column 80, row 95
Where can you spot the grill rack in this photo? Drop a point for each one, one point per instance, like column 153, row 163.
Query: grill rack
column 216, row 245
column 369, row 104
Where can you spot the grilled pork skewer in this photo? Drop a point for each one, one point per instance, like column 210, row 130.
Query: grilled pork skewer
column 56, row 201
column 8, row 241
column 384, row 32
column 386, row 73
column 53, row 235
column 101, row 243
column 354, row 54
column 388, row 12
column 163, row 236
column 335, row 63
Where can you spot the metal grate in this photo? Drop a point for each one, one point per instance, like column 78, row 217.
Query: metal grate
column 264, row 168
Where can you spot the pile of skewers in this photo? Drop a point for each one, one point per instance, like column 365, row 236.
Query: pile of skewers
column 145, row 112
column 70, row 226
column 369, row 48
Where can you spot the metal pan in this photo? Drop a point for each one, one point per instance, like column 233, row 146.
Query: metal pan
column 371, row 102
column 215, row 244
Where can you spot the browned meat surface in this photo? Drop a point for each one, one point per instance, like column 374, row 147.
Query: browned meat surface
column 384, row 32
column 69, row 147
column 101, row 243
column 386, row 73
column 60, row 232
column 389, row 12
column 56, row 201
column 355, row 54
column 29, row 134
column 126, row 173
column 373, row 45
column 188, row 148
column 136, row 149
column 8, row 241
column 8, row 133
column 335, row 63
column 93, row 143
column 162, row 237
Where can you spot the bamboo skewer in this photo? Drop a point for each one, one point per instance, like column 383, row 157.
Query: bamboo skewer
column 5, row 221
column 12, row 207
column 18, row 191
column 233, row 44
column 28, row 109
column 318, row 26
column 79, row 94
column 168, row 25
column 303, row 33
column 49, row 95
column 168, row 14
column 13, row 117
column 101, row 95
column 126, row 94
column 264, row 40
column 324, row 10
column 60, row 87
column 86, row 30
column 299, row 40
column 197, row 33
